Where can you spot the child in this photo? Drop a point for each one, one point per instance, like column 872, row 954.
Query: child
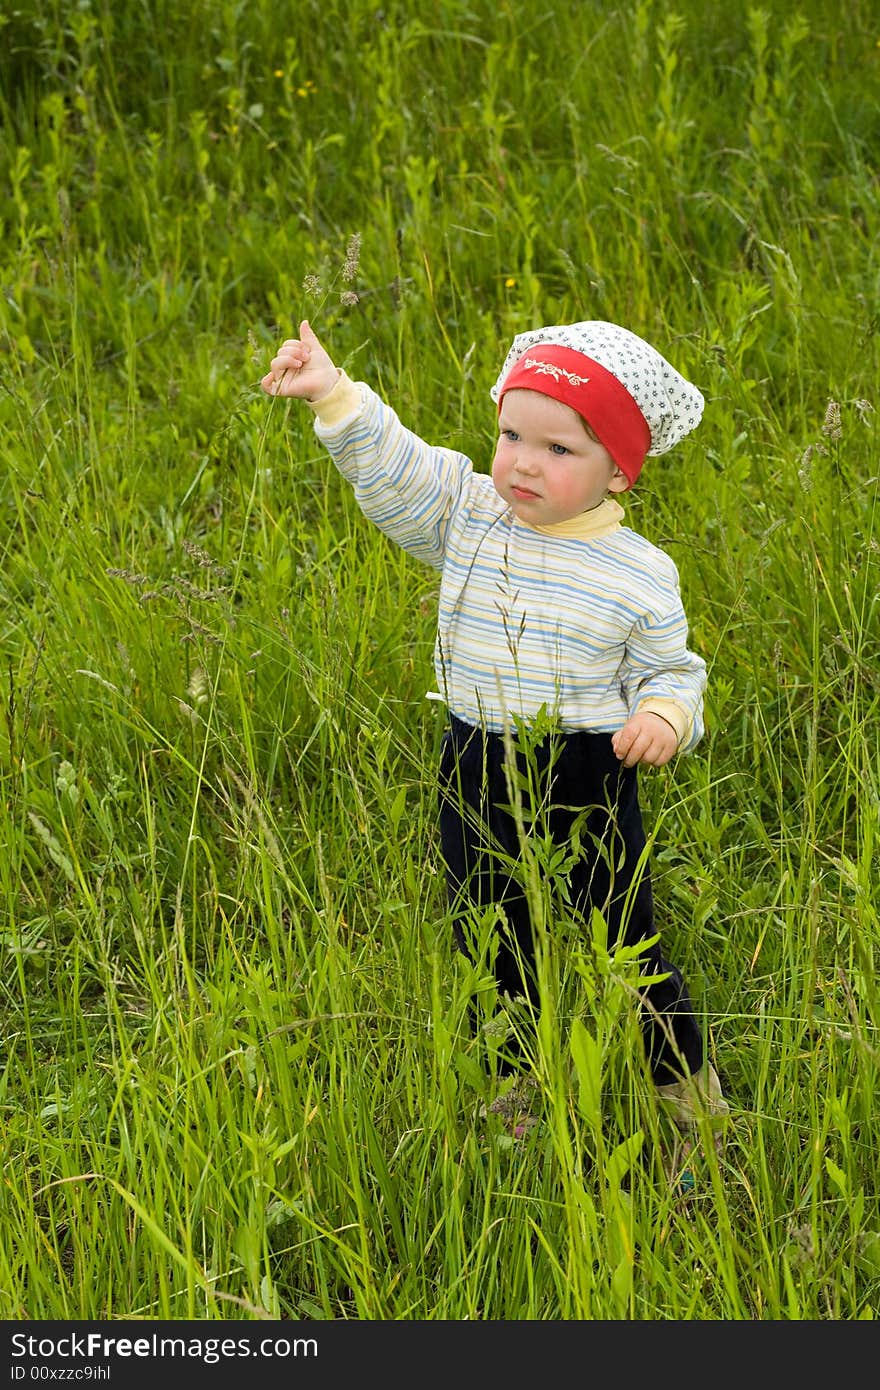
column 548, row 606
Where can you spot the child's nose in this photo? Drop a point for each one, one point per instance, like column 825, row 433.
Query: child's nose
column 525, row 460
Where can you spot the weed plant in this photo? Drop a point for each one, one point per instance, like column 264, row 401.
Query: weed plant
column 237, row 1077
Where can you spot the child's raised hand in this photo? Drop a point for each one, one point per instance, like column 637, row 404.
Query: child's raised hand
column 301, row 367
column 645, row 738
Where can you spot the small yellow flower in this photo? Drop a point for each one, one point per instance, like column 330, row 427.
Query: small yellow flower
column 509, row 283
column 279, row 72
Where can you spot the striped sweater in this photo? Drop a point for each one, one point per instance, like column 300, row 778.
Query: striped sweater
column 583, row 618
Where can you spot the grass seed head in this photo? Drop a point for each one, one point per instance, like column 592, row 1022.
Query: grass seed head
column 352, row 258
column 831, row 424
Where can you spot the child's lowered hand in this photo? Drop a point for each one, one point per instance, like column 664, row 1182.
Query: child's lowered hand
column 646, row 738
column 301, row 367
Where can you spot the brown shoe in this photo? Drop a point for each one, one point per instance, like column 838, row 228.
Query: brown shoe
column 693, row 1099
column 687, row 1103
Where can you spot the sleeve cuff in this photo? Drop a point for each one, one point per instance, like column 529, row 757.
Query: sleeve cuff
column 340, row 402
column 674, row 714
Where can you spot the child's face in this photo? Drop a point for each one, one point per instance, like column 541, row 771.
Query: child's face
column 546, row 466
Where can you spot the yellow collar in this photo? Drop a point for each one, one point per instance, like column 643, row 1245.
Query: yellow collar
column 598, row 521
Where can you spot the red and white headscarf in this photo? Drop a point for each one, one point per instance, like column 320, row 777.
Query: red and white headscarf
column 632, row 399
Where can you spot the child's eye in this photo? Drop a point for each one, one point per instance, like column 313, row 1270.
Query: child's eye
column 558, row 450
column 511, row 435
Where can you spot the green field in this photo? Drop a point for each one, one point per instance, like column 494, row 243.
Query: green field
column 236, row 1079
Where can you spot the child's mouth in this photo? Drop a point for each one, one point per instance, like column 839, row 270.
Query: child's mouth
column 523, row 494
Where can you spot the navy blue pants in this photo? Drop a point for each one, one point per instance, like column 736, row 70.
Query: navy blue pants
column 575, row 773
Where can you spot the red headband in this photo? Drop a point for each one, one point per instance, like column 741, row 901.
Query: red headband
column 591, row 390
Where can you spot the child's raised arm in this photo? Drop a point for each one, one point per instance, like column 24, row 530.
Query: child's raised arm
column 301, row 367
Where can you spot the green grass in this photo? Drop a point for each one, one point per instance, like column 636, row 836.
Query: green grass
column 236, row 1076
